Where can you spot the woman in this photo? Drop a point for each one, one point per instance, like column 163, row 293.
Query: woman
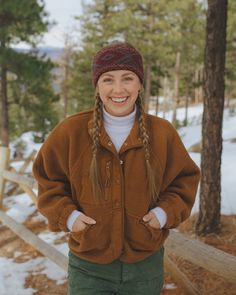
column 117, row 179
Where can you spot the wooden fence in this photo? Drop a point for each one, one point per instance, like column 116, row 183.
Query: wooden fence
column 197, row 252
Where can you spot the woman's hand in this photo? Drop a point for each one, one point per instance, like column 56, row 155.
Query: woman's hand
column 152, row 220
column 81, row 222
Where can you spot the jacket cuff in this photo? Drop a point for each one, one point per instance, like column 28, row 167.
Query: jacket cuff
column 172, row 221
column 73, row 216
column 160, row 215
column 62, row 223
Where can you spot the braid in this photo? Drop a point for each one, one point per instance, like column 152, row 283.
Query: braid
column 94, row 173
column 145, row 139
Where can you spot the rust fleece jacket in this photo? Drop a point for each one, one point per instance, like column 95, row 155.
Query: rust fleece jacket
column 62, row 171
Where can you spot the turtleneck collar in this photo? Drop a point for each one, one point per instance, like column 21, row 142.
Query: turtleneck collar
column 119, row 121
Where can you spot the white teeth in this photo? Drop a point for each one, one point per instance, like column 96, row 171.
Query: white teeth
column 118, row 99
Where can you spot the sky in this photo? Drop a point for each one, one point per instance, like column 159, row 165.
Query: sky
column 63, row 12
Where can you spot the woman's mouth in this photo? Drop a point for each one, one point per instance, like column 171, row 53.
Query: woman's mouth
column 119, row 99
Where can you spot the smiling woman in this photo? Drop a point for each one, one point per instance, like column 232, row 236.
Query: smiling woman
column 118, row 91
column 118, row 179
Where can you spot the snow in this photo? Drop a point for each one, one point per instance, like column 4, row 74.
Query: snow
column 50, row 237
column 20, row 207
column 13, row 275
column 9, row 282
column 192, row 134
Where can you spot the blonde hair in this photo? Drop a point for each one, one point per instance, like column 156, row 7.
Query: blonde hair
column 97, row 186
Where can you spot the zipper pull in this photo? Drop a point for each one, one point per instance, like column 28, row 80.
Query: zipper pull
column 121, row 162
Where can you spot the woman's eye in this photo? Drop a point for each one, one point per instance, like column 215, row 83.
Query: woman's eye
column 128, row 78
column 107, row 80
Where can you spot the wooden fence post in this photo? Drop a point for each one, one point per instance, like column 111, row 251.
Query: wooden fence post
column 4, row 164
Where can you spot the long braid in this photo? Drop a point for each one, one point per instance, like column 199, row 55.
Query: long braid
column 145, row 139
column 94, row 172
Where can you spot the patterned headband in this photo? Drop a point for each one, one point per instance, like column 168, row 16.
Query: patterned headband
column 119, row 56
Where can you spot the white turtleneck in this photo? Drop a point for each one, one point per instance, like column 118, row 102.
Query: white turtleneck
column 118, row 129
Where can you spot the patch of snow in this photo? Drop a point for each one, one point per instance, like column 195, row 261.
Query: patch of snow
column 13, row 275
column 13, row 284
column 19, row 207
column 51, row 237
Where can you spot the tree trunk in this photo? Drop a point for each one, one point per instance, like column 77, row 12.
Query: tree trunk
column 186, row 104
column 157, row 106
column 200, row 87
column 176, row 88
column 165, row 95
column 66, row 67
column 4, row 109
column 196, row 90
column 65, row 91
column 147, row 92
column 210, row 190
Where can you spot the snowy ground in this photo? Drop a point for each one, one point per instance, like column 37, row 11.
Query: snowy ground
column 20, row 207
column 13, row 274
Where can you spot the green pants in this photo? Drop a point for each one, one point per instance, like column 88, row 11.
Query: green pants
column 145, row 277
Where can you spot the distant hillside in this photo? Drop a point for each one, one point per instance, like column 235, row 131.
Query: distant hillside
column 52, row 52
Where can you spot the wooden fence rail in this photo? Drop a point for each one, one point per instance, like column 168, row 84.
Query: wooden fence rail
column 203, row 255
column 32, row 239
column 195, row 251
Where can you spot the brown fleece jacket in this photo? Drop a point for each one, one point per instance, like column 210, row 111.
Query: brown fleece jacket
column 62, row 171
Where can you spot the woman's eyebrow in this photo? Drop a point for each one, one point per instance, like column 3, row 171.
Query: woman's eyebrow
column 110, row 75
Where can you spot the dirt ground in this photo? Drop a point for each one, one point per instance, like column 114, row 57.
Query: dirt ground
column 206, row 282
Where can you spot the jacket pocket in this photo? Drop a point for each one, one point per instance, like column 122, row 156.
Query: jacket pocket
column 140, row 235
column 94, row 236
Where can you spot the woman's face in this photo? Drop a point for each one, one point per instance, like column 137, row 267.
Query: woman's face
column 118, row 91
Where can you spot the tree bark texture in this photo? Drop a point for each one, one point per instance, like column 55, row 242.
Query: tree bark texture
column 147, row 92
column 214, row 66
column 4, row 109
column 176, row 89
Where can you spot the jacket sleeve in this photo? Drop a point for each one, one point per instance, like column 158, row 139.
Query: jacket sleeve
column 180, row 182
column 50, row 169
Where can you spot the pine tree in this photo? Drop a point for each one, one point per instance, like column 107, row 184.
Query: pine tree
column 20, row 21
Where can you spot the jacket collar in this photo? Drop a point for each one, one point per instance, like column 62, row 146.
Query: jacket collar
column 133, row 140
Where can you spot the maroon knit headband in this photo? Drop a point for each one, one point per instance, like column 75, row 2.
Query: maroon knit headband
column 119, row 56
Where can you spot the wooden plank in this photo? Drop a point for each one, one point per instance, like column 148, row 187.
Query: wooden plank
column 27, row 161
column 20, row 179
column 4, row 163
column 15, row 188
column 201, row 254
column 31, row 194
column 30, row 238
column 180, row 278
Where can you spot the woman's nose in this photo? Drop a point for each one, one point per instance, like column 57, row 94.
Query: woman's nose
column 117, row 87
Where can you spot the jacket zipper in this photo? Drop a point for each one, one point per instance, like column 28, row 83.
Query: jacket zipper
column 122, row 195
column 108, row 179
